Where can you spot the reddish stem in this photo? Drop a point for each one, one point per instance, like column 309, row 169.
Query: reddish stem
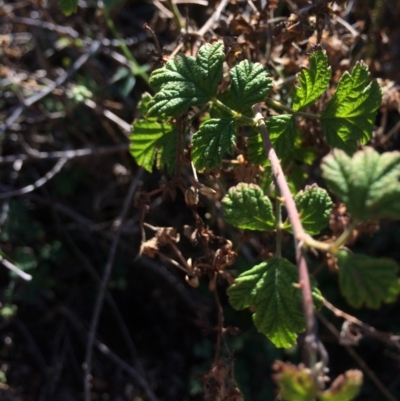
column 299, row 235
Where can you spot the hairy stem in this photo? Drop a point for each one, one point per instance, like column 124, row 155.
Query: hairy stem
column 311, row 342
column 279, row 106
column 233, row 113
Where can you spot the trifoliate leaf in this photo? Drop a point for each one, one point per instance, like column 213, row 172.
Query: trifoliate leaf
column 314, row 206
column 282, row 132
column 350, row 115
column 345, row 387
column 154, row 142
column 250, row 85
column 271, row 288
column 295, row 383
column 368, row 183
column 68, row 6
column 313, row 81
column 246, row 207
column 187, row 81
column 367, row 281
column 214, row 138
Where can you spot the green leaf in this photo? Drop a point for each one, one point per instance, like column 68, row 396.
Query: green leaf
column 68, row 6
column 270, row 287
column 346, row 387
column 187, row 81
column 313, row 81
column 250, row 85
column 255, row 150
column 154, row 142
column 214, row 138
column 368, row 183
column 246, row 207
column 350, row 115
column 367, row 281
column 314, row 206
column 282, row 132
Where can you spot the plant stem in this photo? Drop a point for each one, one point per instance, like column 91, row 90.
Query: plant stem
column 177, row 15
column 278, row 216
column 334, row 247
column 233, row 113
column 276, row 105
column 311, row 342
column 135, row 66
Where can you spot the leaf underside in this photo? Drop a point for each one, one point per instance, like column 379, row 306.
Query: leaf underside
column 367, row 281
column 368, row 183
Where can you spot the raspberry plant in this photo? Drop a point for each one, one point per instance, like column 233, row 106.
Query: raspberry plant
column 189, row 89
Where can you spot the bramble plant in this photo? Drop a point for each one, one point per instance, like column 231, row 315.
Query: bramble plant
column 189, row 89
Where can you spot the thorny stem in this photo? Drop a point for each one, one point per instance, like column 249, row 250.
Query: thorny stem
column 311, row 342
column 276, row 105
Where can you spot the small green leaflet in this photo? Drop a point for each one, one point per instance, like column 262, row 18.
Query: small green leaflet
column 313, row 81
column 350, row 115
column 314, row 206
column 187, row 81
column 246, row 207
column 250, row 85
column 214, row 138
column 367, row 281
column 68, row 6
column 144, row 103
column 270, row 287
column 368, row 183
column 151, row 142
column 282, row 132
column 296, row 383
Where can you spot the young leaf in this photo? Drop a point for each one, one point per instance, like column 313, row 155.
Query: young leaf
column 187, row 81
column 282, row 132
column 368, row 183
column 250, row 85
column 151, row 142
column 366, row 280
column 314, row 206
column 345, row 387
column 214, row 138
column 144, row 104
column 313, row 81
column 350, row 115
column 270, row 287
column 68, row 6
column 295, row 383
column 246, row 207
